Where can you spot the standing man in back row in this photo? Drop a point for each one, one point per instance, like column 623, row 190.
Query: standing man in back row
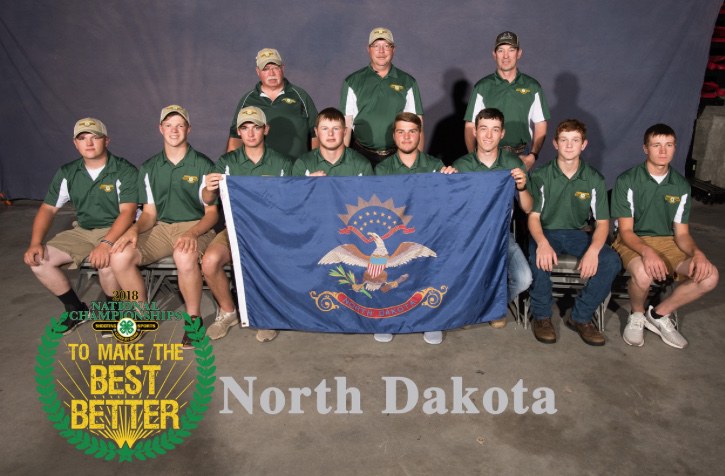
column 373, row 95
column 289, row 110
column 520, row 98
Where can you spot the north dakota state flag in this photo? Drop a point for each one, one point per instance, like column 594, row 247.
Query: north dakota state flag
column 393, row 254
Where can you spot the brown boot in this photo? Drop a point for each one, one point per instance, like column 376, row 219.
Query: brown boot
column 544, row 330
column 588, row 332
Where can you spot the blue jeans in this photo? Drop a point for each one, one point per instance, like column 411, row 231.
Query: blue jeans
column 575, row 243
column 519, row 273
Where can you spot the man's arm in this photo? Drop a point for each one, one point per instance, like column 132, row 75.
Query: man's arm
column 526, row 201
column 590, row 260
column 348, row 130
column 210, row 192
column 233, row 144
column 545, row 255
column 43, row 220
column 654, row 266
column 421, row 144
column 700, row 267
column 100, row 256
column 144, row 223
column 187, row 243
column 469, row 136
column 537, row 143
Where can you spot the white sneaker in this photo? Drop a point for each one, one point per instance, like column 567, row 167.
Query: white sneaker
column 223, row 322
column 665, row 328
column 383, row 337
column 433, row 337
column 634, row 332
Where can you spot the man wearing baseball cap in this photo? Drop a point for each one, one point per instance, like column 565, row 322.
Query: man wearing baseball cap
column 289, row 110
column 175, row 222
column 102, row 188
column 520, row 98
column 252, row 159
column 373, row 95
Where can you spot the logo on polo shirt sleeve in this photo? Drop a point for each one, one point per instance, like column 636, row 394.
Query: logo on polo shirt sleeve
column 190, row 178
column 672, row 199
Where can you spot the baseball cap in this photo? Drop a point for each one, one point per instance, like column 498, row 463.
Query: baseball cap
column 251, row 114
column 507, row 38
column 381, row 33
column 89, row 124
column 174, row 108
column 268, row 55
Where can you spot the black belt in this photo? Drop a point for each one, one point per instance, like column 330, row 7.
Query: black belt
column 519, row 149
column 382, row 153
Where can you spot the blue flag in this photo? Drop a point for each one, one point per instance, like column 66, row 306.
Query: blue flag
column 392, row 254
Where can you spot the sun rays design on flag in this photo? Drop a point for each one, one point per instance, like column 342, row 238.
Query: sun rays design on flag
column 375, row 216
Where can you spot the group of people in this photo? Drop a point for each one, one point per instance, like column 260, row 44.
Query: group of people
column 378, row 130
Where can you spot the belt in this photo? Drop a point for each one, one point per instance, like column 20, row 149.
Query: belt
column 381, row 152
column 519, row 149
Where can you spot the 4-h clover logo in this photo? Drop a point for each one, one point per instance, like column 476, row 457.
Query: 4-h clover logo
column 126, row 327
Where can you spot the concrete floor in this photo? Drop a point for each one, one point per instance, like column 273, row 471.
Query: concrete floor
column 619, row 409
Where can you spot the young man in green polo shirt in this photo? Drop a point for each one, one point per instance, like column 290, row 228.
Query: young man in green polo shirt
column 651, row 203
column 175, row 222
column 566, row 191
column 332, row 158
column 487, row 157
column 407, row 133
column 254, row 159
column 373, row 95
column 520, row 98
column 290, row 111
column 102, row 188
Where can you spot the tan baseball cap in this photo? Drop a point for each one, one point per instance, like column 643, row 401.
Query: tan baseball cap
column 507, row 38
column 251, row 114
column 268, row 55
column 174, row 108
column 89, row 124
column 381, row 33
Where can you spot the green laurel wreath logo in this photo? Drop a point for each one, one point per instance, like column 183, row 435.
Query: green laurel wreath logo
column 150, row 448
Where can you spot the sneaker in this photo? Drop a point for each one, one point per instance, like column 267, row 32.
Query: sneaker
column 266, row 335
column 73, row 323
column 544, row 330
column 433, row 337
column 384, row 338
column 665, row 328
column 223, row 322
column 498, row 323
column 186, row 342
column 634, row 332
column 588, row 332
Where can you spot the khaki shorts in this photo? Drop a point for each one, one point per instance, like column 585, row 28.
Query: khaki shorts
column 158, row 242
column 78, row 242
column 222, row 238
column 665, row 247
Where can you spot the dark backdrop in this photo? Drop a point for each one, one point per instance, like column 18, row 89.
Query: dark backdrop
column 619, row 65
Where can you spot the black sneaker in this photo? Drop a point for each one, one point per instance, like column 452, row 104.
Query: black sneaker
column 73, row 323
column 186, row 342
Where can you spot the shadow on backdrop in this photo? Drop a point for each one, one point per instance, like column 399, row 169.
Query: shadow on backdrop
column 566, row 91
column 447, row 142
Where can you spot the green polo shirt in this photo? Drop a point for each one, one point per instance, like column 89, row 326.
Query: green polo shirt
column 272, row 164
column 350, row 164
column 291, row 118
column 96, row 201
column 373, row 102
column 175, row 189
column 505, row 161
column 565, row 204
column 654, row 206
column 424, row 163
column 520, row 101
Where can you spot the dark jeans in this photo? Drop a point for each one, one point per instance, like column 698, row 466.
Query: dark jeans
column 575, row 243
